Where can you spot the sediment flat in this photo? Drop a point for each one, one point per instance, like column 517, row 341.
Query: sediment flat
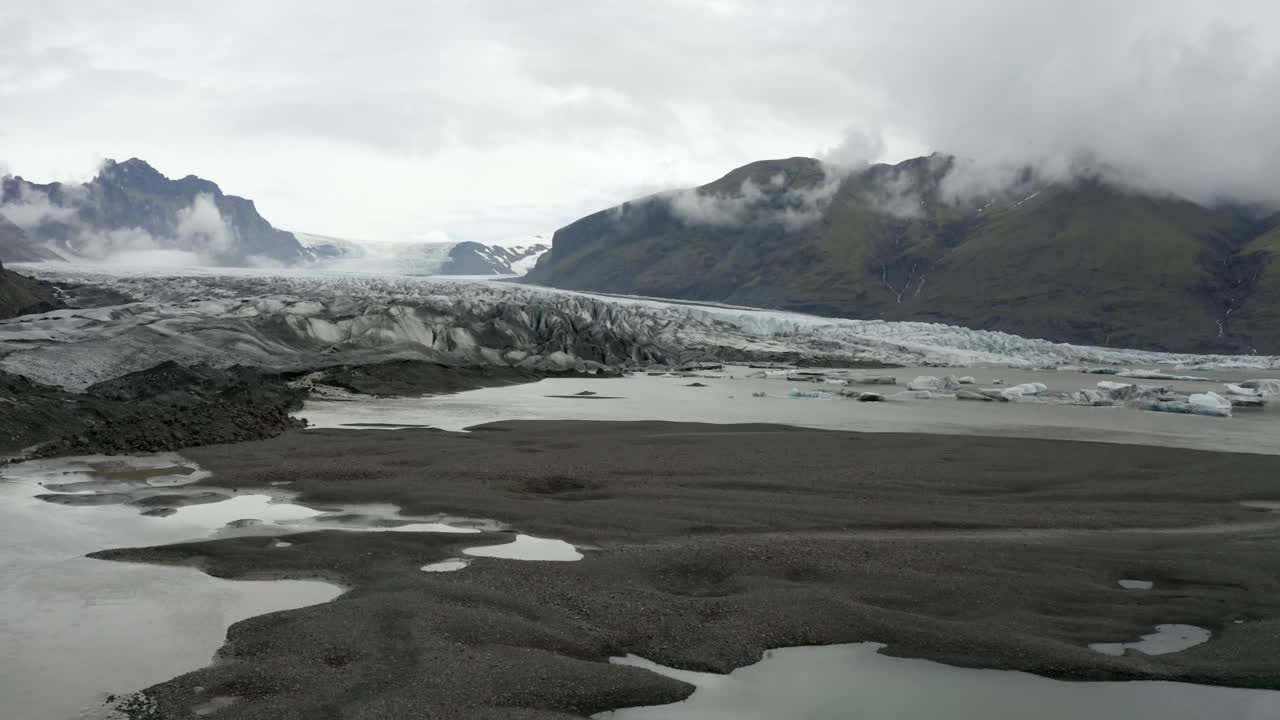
column 706, row 545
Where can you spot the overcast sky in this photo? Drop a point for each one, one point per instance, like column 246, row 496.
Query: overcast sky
column 485, row 120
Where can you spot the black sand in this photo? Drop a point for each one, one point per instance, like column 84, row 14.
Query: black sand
column 172, row 406
column 714, row 543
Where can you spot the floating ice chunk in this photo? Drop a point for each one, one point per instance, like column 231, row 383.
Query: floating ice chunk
column 1094, row 398
column 1211, row 403
column 1024, row 390
column 968, row 380
column 1183, row 407
column 527, row 547
column 1248, row 402
column 1156, row 375
column 923, row 382
column 1265, row 388
column 809, row 394
column 450, row 565
column 931, row 383
column 914, row 395
column 1136, row 584
column 1166, row 639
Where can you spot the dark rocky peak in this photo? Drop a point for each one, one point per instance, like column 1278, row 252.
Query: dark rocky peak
column 138, row 175
column 132, row 173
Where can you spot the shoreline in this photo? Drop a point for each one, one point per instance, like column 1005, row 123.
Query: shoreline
column 695, row 540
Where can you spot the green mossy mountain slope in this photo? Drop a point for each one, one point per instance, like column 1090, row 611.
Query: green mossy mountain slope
column 1084, row 261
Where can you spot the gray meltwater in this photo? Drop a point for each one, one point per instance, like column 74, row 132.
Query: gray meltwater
column 855, row 682
column 75, row 630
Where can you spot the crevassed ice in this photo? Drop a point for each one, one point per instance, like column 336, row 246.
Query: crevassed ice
column 311, row 294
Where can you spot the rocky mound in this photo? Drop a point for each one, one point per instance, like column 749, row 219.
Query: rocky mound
column 166, row 407
column 21, row 295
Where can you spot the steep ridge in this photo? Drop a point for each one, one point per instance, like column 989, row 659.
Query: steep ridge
column 1084, row 261
column 16, row 247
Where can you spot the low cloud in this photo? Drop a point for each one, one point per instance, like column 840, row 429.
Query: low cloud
column 779, row 201
column 202, row 228
column 32, row 208
column 201, row 234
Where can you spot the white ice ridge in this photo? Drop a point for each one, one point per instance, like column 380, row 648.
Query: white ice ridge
column 272, row 318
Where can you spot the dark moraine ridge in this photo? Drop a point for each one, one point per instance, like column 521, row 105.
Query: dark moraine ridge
column 710, row 544
column 172, row 406
column 21, row 295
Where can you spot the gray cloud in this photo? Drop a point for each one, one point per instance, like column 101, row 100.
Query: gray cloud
column 778, row 201
column 409, row 118
column 200, row 237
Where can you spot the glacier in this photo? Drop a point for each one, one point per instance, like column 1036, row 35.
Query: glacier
column 310, row 317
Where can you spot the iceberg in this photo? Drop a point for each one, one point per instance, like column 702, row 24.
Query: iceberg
column 1023, row 390
column 807, row 394
column 1265, row 388
column 1207, row 404
column 1157, row 375
column 936, row 384
column 1211, row 403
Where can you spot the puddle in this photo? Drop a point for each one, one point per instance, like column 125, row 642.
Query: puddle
column 154, row 492
column 527, row 547
column 855, row 682
column 75, row 630
column 264, row 508
column 1166, row 639
column 1136, row 584
column 450, row 565
column 214, row 705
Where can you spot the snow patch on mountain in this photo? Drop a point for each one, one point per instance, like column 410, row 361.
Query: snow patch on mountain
column 511, row 258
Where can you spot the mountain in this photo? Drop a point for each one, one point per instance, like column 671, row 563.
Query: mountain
column 132, row 211
column 1083, row 261
column 431, row 258
column 21, row 295
column 472, row 258
column 15, row 246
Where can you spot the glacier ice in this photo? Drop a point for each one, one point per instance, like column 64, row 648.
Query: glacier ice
column 308, row 318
